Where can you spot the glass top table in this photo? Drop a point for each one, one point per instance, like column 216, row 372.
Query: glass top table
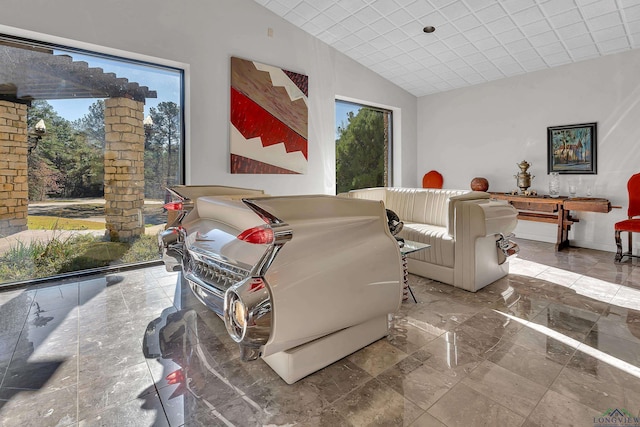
column 411, row 246
column 408, row 247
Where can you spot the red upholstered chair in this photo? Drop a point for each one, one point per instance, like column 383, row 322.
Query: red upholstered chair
column 631, row 225
column 432, row 179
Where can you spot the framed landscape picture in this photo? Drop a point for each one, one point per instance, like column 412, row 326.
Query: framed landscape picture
column 571, row 149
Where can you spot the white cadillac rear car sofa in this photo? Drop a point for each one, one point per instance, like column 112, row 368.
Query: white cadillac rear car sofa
column 462, row 227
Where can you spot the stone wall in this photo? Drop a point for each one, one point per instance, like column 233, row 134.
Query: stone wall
column 14, row 194
column 124, row 168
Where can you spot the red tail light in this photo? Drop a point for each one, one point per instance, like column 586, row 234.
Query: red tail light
column 174, row 206
column 175, row 377
column 257, row 235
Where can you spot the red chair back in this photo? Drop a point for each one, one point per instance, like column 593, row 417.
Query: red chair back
column 633, row 186
column 432, row 179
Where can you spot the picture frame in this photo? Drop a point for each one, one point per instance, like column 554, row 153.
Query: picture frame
column 572, row 149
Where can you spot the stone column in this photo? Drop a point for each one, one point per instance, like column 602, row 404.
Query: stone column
column 14, row 194
column 124, row 168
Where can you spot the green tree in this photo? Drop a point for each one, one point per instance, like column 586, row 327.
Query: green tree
column 360, row 151
column 66, row 163
column 161, row 149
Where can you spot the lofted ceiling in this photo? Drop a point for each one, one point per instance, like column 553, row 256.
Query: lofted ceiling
column 475, row 41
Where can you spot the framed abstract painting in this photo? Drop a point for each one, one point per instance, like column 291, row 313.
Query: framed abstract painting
column 269, row 119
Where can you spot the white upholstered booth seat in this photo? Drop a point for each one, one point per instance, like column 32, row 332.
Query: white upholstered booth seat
column 461, row 226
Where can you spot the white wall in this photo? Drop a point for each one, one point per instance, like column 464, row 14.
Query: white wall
column 203, row 35
column 486, row 130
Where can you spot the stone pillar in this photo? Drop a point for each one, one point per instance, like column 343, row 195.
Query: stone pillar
column 14, row 194
column 124, row 168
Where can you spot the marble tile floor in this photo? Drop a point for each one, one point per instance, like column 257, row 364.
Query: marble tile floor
column 555, row 343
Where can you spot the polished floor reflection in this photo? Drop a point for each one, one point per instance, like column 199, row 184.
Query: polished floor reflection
column 555, row 343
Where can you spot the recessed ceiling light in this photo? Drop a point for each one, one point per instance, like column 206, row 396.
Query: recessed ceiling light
column 429, row 29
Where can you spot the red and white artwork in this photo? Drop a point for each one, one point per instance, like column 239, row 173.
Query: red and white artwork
column 269, row 116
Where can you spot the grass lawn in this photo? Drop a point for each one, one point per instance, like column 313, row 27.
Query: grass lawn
column 56, row 223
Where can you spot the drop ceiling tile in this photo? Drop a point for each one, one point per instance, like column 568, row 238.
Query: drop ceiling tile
column 382, row 26
column 510, row 36
column 353, row 5
column 478, row 33
column 632, row 13
column 512, row 69
column 475, row 58
column 634, row 27
column 496, row 52
column 585, row 2
column 328, row 38
column 504, row 62
column 579, row 41
column 566, row 18
column 513, row 6
column 534, row 64
column 352, row 40
column 572, row 30
column 487, row 43
column 465, row 50
column 598, row 8
column 368, row 14
column 484, row 66
column 474, row 78
column 279, row 8
column 435, row 19
column 385, row 7
column 341, row 45
column 443, row 31
column 396, row 36
column 584, row 52
column 312, row 28
column 614, row 45
column 455, row 10
column 493, row 74
column 420, row 54
column 551, row 49
column 441, row 3
column 366, row 33
column 553, row 7
column 295, row 19
column 340, row 31
column 491, row 13
column 476, row 5
column 438, row 47
column 518, row 46
column 456, row 41
column 352, row 22
column 526, row 55
column 536, row 28
column 609, row 34
column 419, row 8
column 557, row 59
column 400, row 18
column 527, row 16
column 543, row 39
column 466, row 23
column 456, row 64
column 322, row 21
column 448, row 55
column 307, row 11
column 409, row 45
column 380, row 43
column 604, row 21
column 501, row 25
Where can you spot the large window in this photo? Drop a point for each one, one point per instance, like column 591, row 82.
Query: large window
column 88, row 144
column 363, row 146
